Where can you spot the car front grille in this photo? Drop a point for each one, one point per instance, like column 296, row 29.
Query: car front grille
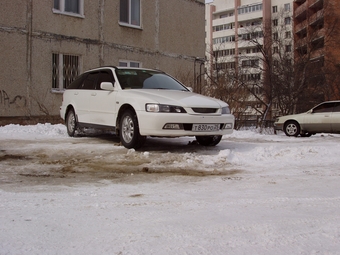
column 205, row 110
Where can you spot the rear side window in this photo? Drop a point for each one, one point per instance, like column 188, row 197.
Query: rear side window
column 78, row 82
column 337, row 107
column 90, row 81
column 326, row 107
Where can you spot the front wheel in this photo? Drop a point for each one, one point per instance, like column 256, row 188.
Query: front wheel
column 129, row 131
column 71, row 123
column 292, row 128
column 209, row 140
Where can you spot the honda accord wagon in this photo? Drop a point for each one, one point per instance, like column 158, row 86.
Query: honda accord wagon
column 136, row 103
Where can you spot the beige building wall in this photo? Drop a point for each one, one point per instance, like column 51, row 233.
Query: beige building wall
column 170, row 38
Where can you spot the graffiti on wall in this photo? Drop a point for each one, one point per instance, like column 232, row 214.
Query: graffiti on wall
column 6, row 101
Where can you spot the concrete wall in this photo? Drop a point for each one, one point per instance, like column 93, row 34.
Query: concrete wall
column 171, row 38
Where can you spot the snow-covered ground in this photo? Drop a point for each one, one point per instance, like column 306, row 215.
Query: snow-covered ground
column 252, row 194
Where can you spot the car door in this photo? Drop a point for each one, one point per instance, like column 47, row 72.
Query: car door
column 336, row 118
column 83, row 95
column 319, row 119
column 103, row 102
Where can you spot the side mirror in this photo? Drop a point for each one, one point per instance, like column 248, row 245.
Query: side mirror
column 107, row 86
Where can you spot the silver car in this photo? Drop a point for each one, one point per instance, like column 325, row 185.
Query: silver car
column 323, row 118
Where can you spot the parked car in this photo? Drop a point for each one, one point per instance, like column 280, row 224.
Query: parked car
column 136, row 103
column 323, row 118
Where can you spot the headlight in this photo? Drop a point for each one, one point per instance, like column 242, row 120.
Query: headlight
column 225, row 110
column 164, row 108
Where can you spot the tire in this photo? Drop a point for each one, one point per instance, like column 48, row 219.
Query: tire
column 209, row 140
column 292, row 128
column 129, row 131
column 71, row 123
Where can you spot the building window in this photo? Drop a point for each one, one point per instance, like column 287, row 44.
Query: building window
column 287, row 7
column 65, row 68
column 250, row 63
column 276, row 49
column 128, row 63
column 288, row 48
column 69, row 7
column 288, row 34
column 275, row 36
column 130, row 12
column 274, row 9
column 247, row 9
column 287, row 21
column 275, row 22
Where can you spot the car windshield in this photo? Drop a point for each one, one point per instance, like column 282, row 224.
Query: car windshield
column 147, row 79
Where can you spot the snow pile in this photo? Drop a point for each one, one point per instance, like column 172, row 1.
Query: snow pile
column 33, row 131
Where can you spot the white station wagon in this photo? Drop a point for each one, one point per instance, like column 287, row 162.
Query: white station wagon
column 136, row 103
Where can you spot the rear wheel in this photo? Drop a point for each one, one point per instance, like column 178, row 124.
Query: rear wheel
column 292, row 128
column 71, row 123
column 209, row 140
column 129, row 131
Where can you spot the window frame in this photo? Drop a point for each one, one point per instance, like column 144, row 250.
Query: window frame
column 128, row 63
column 129, row 12
column 287, row 7
column 58, row 71
column 61, row 9
column 288, row 21
column 275, row 22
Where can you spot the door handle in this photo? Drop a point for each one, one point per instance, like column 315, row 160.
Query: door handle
column 93, row 94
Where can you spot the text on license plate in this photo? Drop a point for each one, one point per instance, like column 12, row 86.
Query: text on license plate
column 205, row 127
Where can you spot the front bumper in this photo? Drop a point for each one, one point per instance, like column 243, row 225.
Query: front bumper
column 278, row 126
column 151, row 124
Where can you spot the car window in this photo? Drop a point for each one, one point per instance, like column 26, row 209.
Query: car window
column 78, row 82
column 326, row 107
column 146, row 79
column 104, row 76
column 90, row 81
column 336, row 107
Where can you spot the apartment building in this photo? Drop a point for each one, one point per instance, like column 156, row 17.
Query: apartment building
column 46, row 44
column 236, row 33
column 317, row 36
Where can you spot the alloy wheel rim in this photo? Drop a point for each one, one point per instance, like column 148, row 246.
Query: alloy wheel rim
column 291, row 129
column 71, row 122
column 128, row 129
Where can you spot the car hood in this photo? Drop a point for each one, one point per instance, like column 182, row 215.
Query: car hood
column 176, row 97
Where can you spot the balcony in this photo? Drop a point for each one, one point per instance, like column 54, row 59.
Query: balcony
column 316, row 19
column 316, row 4
column 301, row 26
column 301, row 11
column 299, row 1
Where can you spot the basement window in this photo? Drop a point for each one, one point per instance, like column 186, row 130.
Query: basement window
column 128, row 63
column 65, row 69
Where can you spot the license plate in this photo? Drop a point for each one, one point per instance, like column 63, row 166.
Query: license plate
column 205, row 127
